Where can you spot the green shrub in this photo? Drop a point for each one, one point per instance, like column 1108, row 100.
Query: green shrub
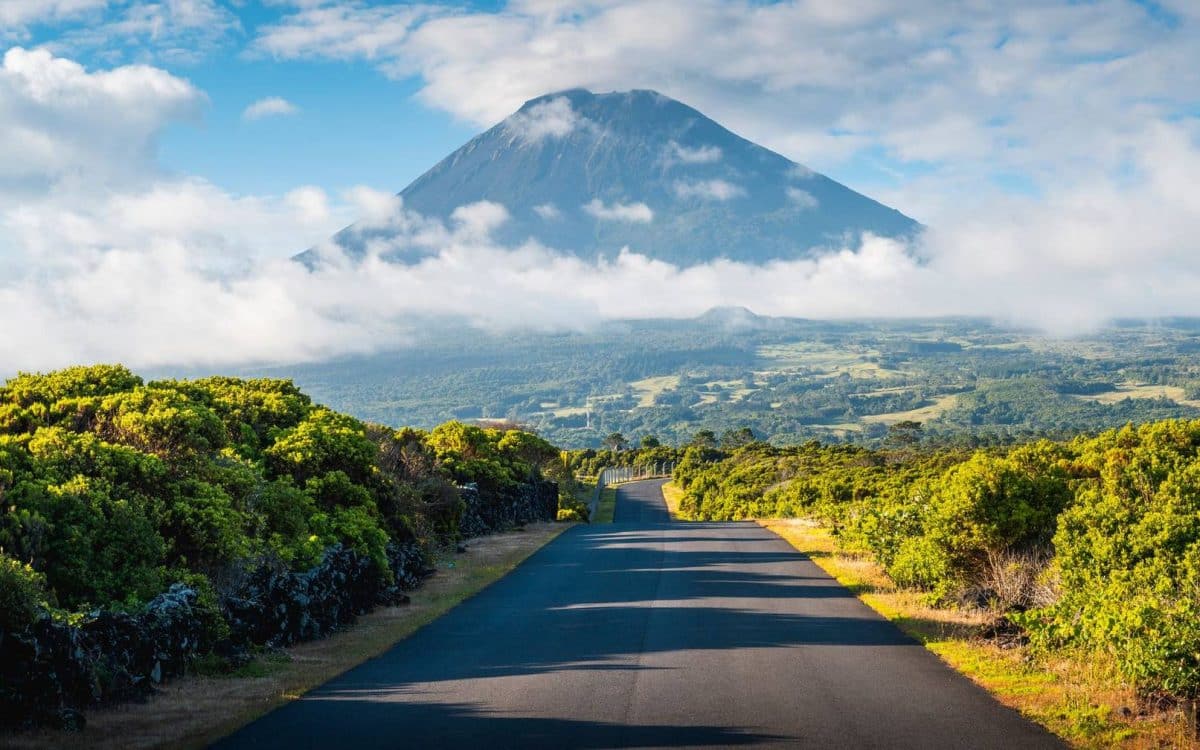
column 113, row 488
column 922, row 563
column 22, row 594
column 358, row 530
column 1128, row 557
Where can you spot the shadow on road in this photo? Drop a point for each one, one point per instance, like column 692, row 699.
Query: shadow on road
column 614, row 599
column 385, row 723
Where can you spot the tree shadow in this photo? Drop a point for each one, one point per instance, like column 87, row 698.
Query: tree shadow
column 383, row 721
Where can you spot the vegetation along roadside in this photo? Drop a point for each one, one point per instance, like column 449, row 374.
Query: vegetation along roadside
column 202, row 707
column 150, row 530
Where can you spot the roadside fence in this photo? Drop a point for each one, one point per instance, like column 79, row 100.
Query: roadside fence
column 621, row 474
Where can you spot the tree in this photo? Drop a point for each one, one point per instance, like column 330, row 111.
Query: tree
column 904, row 435
column 734, row 439
column 616, row 442
column 704, row 439
column 649, row 441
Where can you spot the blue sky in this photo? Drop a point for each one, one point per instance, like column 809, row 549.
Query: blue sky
column 354, row 125
column 1050, row 146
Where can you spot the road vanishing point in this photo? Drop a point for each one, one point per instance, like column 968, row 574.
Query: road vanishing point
column 657, row 634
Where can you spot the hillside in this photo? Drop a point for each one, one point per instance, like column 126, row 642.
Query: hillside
column 590, row 173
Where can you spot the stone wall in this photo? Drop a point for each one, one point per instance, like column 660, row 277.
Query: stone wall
column 52, row 671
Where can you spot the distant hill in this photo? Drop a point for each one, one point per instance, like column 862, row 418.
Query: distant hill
column 734, row 319
column 588, row 174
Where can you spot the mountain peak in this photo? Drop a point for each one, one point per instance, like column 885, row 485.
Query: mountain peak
column 590, row 173
column 581, row 95
column 730, row 316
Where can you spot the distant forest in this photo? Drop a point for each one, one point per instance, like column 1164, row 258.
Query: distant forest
column 968, row 382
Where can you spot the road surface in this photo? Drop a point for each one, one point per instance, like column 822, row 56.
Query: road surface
column 648, row 633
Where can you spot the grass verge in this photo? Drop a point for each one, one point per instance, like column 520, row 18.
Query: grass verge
column 1078, row 698
column 607, row 505
column 196, row 711
column 673, row 495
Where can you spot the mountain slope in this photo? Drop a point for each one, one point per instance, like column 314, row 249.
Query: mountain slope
column 590, row 173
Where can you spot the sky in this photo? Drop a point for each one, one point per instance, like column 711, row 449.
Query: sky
column 163, row 158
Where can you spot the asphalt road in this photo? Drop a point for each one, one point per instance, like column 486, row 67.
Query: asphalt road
column 648, row 633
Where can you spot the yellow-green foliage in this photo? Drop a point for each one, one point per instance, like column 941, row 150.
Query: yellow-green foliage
column 112, row 488
column 22, row 594
column 1092, row 544
column 1128, row 557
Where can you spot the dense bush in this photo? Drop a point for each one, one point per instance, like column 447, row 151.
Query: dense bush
column 22, row 595
column 1128, row 557
column 282, row 519
column 1092, row 544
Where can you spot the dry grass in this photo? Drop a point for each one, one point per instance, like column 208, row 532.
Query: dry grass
column 924, row 414
column 673, row 495
column 1138, row 390
column 195, row 711
column 1077, row 698
column 647, row 389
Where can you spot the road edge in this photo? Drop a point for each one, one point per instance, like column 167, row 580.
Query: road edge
column 1010, row 680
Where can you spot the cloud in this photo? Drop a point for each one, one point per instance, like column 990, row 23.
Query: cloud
column 168, row 31
column 161, row 277
column 479, row 219
column 310, row 204
column 699, row 155
column 800, row 172
column 554, row 118
column 344, row 31
column 715, row 190
column 15, row 14
column 271, row 106
column 548, row 211
column 62, row 122
column 629, row 212
column 191, row 213
column 802, row 198
column 374, row 206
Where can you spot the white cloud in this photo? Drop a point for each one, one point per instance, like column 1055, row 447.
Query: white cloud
column 548, row 211
column 18, row 13
column 271, row 106
column 160, row 277
column 171, row 31
column 344, row 31
column 479, row 219
column 554, row 118
column 62, row 122
column 801, row 172
column 699, row 155
column 310, row 204
column 802, row 198
column 638, row 213
column 374, row 206
column 715, row 190
column 78, row 221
